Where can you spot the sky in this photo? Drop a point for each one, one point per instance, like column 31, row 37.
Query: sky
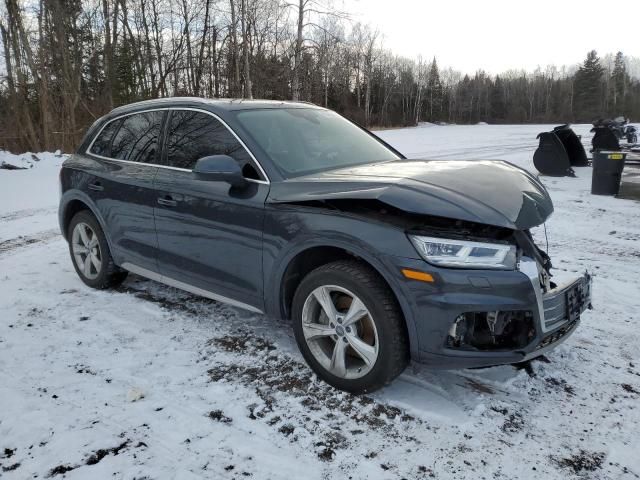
column 498, row 35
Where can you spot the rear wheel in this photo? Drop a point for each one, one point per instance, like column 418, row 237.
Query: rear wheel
column 90, row 253
column 349, row 327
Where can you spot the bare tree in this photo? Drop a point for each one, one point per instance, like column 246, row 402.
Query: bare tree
column 235, row 88
column 306, row 8
column 369, row 59
column 246, row 49
column 65, row 63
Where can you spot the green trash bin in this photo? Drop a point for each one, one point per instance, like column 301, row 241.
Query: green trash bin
column 607, row 172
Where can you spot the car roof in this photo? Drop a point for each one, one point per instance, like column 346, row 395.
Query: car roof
column 219, row 105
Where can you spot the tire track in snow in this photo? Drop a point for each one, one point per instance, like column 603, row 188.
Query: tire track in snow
column 193, row 306
column 287, row 397
column 29, row 212
column 27, row 240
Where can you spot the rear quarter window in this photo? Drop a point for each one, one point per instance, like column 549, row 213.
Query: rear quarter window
column 102, row 143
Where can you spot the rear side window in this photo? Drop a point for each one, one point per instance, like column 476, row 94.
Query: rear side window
column 102, row 144
column 137, row 138
column 192, row 135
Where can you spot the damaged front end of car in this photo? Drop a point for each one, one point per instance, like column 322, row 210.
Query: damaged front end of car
column 499, row 304
column 551, row 319
column 490, row 297
column 500, row 328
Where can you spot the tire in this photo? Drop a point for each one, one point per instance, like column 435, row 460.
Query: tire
column 101, row 272
column 381, row 330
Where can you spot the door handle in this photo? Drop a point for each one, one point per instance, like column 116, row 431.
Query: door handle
column 167, row 201
column 97, row 186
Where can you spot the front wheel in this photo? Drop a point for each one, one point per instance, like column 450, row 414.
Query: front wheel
column 349, row 327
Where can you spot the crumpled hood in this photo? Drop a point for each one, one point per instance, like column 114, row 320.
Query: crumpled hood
column 491, row 192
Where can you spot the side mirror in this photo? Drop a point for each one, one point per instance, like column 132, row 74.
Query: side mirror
column 219, row 168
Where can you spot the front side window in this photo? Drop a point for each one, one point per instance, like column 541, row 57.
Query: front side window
column 193, row 135
column 304, row 140
column 137, row 138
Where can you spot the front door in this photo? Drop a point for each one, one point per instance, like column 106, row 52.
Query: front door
column 209, row 233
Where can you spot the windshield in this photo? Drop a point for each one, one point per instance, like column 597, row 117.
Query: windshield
column 301, row 141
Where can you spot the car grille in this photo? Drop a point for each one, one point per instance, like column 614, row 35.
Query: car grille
column 565, row 304
column 555, row 309
column 557, row 335
column 561, row 305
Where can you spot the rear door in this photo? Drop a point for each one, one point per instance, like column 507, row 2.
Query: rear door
column 209, row 233
column 128, row 153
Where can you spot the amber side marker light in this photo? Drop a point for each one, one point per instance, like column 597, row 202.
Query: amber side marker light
column 416, row 275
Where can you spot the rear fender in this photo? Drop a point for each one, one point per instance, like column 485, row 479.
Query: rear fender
column 78, row 195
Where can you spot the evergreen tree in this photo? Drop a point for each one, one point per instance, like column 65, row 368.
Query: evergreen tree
column 434, row 92
column 618, row 84
column 587, row 89
column 497, row 101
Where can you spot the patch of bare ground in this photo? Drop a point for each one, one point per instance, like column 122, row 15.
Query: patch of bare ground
column 26, row 240
column 580, row 462
column 310, row 405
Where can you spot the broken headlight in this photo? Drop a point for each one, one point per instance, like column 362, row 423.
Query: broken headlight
column 464, row 254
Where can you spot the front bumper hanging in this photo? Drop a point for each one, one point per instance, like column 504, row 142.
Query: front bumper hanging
column 559, row 308
column 562, row 307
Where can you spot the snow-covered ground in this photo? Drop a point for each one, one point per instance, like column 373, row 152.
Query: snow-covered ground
column 150, row 382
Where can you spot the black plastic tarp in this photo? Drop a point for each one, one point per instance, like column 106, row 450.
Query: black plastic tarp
column 558, row 151
column 604, row 138
column 573, row 146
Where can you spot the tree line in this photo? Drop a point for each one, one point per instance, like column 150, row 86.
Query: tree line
column 67, row 62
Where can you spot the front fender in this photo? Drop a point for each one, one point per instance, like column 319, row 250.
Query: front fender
column 321, row 230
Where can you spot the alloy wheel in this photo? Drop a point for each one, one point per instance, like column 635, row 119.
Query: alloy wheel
column 86, row 250
column 340, row 332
